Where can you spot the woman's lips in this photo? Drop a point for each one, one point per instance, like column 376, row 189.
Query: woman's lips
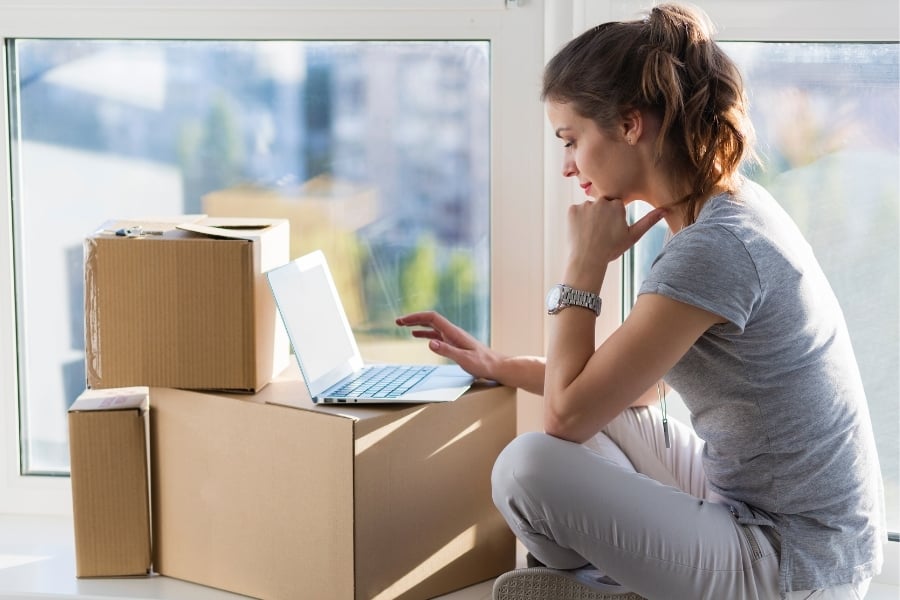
column 586, row 187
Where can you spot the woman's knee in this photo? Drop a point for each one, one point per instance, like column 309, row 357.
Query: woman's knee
column 527, row 464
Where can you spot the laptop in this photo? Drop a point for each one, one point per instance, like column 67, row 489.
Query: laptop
column 326, row 350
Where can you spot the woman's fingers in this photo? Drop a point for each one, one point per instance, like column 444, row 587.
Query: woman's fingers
column 449, row 341
column 430, row 319
column 415, row 319
column 600, row 229
column 427, row 334
column 437, row 327
column 446, row 350
column 645, row 223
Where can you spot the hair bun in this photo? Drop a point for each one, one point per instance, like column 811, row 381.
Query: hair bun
column 675, row 26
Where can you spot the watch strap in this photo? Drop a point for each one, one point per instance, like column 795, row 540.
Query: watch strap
column 570, row 296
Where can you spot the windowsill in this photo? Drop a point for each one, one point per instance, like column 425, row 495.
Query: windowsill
column 37, row 560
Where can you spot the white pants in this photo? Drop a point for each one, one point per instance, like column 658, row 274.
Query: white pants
column 639, row 512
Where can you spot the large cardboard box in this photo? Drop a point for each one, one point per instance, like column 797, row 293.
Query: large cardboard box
column 110, row 483
column 185, row 306
column 274, row 497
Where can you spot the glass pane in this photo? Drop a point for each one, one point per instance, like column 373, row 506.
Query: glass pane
column 377, row 152
column 827, row 120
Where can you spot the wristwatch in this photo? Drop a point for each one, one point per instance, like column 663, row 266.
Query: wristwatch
column 561, row 296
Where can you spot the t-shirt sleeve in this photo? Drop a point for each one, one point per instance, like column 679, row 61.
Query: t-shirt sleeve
column 708, row 267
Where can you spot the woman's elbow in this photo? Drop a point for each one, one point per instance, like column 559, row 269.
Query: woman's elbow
column 563, row 426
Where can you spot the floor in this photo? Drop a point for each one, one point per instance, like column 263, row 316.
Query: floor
column 37, row 562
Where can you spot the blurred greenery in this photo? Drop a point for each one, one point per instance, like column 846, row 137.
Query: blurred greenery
column 419, row 277
column 423, row 277
column 458, row 299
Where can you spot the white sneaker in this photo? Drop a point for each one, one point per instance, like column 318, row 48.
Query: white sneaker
column 540, row 583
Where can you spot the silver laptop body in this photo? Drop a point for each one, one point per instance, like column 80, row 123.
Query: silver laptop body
column 327, row 352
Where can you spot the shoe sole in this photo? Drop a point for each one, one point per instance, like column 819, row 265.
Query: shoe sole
column 538, row 583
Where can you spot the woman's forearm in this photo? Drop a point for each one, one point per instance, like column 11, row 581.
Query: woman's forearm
column 525, row 372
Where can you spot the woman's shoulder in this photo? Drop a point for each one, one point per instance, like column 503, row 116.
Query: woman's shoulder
column 745, row 202
column 750, row 214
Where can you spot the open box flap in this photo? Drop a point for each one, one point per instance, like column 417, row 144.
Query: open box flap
column 239, row 228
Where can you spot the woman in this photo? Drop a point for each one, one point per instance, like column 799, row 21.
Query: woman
column 778, row 493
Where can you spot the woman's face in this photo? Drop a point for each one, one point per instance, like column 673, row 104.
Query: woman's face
column 604, row 163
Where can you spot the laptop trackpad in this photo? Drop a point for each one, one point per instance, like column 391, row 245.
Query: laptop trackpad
column 444, row 379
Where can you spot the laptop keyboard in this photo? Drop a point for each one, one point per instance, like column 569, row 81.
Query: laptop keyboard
column 390, row 381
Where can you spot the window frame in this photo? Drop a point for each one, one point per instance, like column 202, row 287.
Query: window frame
column 516, row 179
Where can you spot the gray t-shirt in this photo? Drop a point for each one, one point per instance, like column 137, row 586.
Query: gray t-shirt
column 775, row 392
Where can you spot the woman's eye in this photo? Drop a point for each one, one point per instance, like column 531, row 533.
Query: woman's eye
column 568, row 144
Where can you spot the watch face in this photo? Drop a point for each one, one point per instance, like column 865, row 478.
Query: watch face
column 553, row 297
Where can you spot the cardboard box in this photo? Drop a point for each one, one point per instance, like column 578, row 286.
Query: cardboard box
column 274, row 497
column 185, row 306
column 110, row 484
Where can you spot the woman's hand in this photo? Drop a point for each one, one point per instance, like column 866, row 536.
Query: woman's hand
column 453, row 342
column 598, row 234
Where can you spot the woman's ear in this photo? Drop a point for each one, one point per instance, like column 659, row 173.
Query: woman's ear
column 632, row 126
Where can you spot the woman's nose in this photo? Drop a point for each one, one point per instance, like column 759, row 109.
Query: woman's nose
column 568, row 167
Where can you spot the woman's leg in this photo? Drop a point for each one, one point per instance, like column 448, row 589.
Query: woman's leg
column 570, row 505
column 638, row 434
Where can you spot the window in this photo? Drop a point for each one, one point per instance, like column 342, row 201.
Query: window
column 372, row 130
column 376, row 151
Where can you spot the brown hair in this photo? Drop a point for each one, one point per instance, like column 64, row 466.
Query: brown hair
column 666, row 63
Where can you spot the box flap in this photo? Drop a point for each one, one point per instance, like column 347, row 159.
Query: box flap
column 239, row 228
column 112, row 399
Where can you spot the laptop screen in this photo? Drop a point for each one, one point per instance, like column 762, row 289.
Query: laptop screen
column 314, row 316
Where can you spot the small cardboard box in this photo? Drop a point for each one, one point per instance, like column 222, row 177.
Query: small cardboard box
column 110, row 483
column 184, row 306
column 274, row 497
